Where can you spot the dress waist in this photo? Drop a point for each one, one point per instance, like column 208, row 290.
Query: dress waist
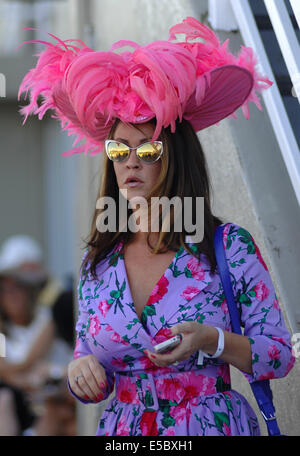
column 152, row 391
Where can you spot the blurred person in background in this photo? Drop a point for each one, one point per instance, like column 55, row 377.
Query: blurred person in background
column 36, row 316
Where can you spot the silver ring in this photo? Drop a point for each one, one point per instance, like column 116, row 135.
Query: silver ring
column 175, row 363
column 76, row 378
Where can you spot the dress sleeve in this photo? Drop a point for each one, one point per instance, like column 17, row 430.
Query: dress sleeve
column 260, row 312
column 82, row 347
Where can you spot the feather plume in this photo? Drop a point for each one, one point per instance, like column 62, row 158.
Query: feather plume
column 198, row 79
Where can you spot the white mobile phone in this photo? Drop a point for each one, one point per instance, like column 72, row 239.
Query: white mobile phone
column 168, row 345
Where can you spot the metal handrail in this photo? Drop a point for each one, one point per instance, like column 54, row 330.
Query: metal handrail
column 286, row 38
column 272, row 98
column 295, row 4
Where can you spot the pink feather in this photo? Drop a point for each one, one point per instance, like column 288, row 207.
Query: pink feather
column 201, row 81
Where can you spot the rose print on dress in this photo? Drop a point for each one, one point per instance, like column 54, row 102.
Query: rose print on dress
column 261, row 291
column 103, row 306
column 160, row 289
column 196, row 269
column 190, row 292
column 94, row 325
column 122, row 428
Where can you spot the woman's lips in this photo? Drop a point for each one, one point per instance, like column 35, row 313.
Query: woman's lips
column 134, row 183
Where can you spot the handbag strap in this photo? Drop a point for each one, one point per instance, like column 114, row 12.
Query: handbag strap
column 260, row 388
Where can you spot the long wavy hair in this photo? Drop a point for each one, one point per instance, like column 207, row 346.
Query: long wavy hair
column 183, row 173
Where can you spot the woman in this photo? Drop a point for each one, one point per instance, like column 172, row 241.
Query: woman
column 138, row 288
column 143, row 298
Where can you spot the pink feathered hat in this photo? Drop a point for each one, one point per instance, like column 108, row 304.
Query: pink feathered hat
column 201, row 82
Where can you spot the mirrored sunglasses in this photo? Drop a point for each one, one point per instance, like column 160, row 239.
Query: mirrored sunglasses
column 148, row 152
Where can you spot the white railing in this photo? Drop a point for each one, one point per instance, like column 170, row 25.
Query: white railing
column 296, row 8
column 291, row 52
column 287, row 39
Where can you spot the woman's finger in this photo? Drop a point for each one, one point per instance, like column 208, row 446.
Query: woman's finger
column 97, row 377
column 166, row 359
column 182, row 328
column 91, row 378
column 81, row 387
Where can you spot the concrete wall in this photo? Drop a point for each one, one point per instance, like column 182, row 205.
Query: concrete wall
column 266, row 205
column 233, row 201
column 38, row 186
column 21, row 192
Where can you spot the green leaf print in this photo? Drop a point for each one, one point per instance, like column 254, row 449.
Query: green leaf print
column 221, row 385
column 115, row 294
column 147, row 311
column 148, row 399
column 123, row 286
column 136, row 345
column 276, row 364
column 228, row 243
column 188, row 273
column 150, row 310
column 80, row 289
column 255, row 358
column 201, row 318
column 179, row 252
column 221, row 418
column 143, row 376
column 176, row 271
column 244, row 299
column 126, row 339
column 228, row 404
column 168, row 421
column 218, row 302
column 245, row 237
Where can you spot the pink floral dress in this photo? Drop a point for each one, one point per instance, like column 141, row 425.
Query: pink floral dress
column 187, row 399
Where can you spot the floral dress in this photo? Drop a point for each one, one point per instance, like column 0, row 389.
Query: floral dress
column 190, row 398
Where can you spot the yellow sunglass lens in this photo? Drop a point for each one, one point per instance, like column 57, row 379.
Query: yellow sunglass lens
column 149, row 152
column 117, row 151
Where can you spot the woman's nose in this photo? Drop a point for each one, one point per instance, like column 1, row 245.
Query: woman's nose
column 133, row 160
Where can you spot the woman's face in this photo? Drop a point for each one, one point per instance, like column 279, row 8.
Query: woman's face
column 15, row 302
column 147, row 172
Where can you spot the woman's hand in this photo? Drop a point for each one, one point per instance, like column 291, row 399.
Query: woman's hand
column 195, row 337
column 91, row 378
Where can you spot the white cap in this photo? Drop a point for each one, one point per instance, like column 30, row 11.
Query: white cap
column 17, row 251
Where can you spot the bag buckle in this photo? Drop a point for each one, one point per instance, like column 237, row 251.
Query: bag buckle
column 270, row 418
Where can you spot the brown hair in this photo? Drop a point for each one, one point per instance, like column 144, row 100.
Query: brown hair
column 183, row 173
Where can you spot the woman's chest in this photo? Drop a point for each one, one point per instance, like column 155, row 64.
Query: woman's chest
column 143, row 274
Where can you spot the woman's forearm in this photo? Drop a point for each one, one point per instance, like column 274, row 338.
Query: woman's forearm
column 237, row 349
column 40, row 347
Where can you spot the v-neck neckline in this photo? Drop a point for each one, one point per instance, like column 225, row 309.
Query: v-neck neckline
column 169, row 267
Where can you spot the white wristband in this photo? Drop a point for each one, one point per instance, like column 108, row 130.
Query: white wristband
column 220, row 348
